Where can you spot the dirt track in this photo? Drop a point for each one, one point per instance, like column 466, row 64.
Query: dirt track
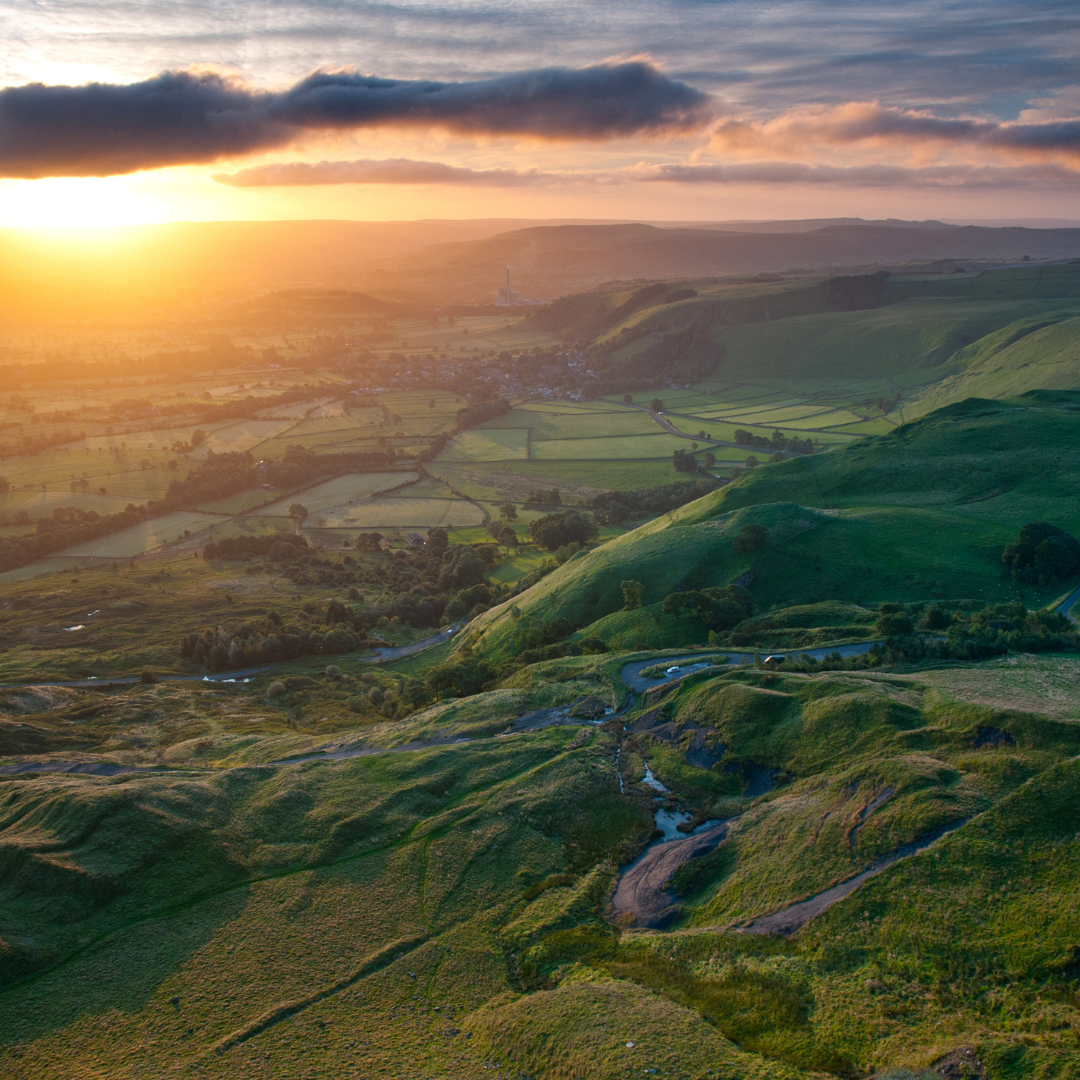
column 641, row 888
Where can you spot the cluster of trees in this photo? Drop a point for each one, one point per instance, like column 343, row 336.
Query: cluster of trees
column 615, row 507
column 434, row 448
column 539, row 497
column 36, row 442
column 300, row 466
column 424, row 588
column 1042, row 554
column 248, row 547
column 996, row 629
column 779, row 441
column 65, row 527
column 502, row 533
column 684, row 461
column 480, row 412
column 585, row 647
column 553, row 531
column 720, row 609
column 751, row 538
column 219, row 476
column 250, row 646
column 683, row 353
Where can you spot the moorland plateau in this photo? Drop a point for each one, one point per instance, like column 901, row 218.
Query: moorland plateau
column 675, row 679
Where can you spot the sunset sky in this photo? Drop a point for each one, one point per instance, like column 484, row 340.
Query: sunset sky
column 160, row 110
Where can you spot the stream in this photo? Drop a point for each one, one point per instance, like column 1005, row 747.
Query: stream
column 642, row 889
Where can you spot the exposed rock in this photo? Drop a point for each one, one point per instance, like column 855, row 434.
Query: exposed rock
column 960, row 1064
column 992, row 736
column 588, row 708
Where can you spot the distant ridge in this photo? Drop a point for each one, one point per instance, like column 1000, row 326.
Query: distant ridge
column 173, row 269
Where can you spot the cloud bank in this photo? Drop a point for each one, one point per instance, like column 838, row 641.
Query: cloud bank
column 386, row 171
column 870, row 123
column 398, row 171
column 186, row 118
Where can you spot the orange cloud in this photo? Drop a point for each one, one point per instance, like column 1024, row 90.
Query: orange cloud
column 870, row 125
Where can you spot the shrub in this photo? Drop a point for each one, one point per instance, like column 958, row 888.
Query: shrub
column 276, row 690
column 894, row 624
column 1042, row 553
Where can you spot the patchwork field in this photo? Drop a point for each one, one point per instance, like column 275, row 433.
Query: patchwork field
column 340, row 491
column 241, row 436
column 489, row 444
column 394, row 512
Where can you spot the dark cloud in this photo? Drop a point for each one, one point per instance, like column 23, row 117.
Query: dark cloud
column 388, row 171
column 961, row 53
column 189, row 118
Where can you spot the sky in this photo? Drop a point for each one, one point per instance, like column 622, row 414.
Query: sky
column 160, row 110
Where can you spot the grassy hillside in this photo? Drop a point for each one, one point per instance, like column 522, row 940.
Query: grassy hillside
column 1030, row 353
column 446, row 906
column 936, row 338
column 920, row 513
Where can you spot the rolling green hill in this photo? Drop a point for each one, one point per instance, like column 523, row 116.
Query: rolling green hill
column 920, row 513
column 937, row 338
column 446, row 904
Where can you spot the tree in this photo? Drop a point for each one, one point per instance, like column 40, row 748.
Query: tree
column 718, row 608
column 198, row 438
column 508, row 511
column 656, row 405
column 684, row 461
column 710, row 459
column 437, row 541
column 631, row 591
column 297, row 513
column 628, row 398
column 750, row 538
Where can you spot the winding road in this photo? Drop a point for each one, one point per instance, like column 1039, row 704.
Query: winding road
column 631, row 673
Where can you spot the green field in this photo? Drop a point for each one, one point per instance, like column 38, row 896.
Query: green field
column 394, row 512
column 242, row 436
column 340, row 491
column 576, row 423
column 609, row 448
column 489, row 444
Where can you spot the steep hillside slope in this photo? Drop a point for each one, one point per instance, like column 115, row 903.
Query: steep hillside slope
column 922, row 512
